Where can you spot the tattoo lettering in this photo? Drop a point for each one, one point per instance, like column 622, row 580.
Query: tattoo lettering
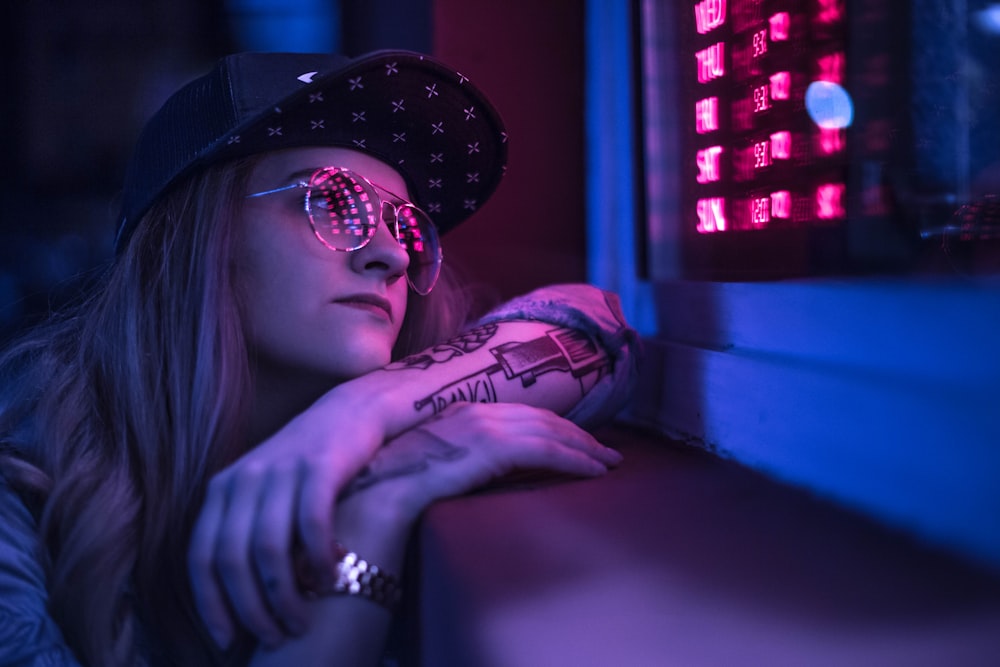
column 464, row 343
column 563, row 350
column 475, row 388
column 407, row 455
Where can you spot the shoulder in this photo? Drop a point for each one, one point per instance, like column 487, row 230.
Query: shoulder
column 28, row 635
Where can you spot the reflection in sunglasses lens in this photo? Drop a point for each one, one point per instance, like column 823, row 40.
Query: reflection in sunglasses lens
column 342, row 210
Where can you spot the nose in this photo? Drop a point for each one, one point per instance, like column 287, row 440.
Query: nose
column 382, row 254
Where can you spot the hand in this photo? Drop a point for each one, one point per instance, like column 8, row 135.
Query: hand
column 240, row 558
column 467, row 446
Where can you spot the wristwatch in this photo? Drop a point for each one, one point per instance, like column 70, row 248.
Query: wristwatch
column 356, row 576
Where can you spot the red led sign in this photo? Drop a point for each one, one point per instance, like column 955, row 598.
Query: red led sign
column 756, row 158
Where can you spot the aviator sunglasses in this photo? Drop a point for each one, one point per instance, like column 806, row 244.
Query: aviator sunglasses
column 345, row 210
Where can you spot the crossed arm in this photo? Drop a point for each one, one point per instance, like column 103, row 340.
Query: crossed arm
column 451, row 418
column 362, row 463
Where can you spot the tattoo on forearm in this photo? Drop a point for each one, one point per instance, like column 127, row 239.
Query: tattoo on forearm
column 475, row 388
column 462, row 344
column 562, row 350
column 407, row 455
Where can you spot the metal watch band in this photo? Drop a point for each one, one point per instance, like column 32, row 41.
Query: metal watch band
column 356, row 576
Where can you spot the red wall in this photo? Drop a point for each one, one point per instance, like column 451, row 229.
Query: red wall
column 527, row 56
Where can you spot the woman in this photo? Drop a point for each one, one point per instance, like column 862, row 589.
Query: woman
column 218, row 457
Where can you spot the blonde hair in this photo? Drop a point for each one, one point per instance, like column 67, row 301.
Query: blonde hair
column 117, row 413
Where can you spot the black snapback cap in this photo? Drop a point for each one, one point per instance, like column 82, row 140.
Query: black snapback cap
column 414, row 113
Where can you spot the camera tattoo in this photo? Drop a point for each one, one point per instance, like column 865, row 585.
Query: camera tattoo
column 559, row 350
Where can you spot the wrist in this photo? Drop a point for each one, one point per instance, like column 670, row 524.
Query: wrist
column 375, row 522
column 379, row 397
column 368, row 552
column 355, row 576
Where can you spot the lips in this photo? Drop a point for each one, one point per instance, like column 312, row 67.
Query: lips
column 367, row 300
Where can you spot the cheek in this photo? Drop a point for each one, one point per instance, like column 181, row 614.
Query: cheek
column 270, row 284
column 273, row 255
column 261, row 279
column 286, row 280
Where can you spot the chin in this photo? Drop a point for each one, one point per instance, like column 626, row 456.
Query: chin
column 355, row 362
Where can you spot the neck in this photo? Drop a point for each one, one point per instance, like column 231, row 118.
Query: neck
column 280, row 395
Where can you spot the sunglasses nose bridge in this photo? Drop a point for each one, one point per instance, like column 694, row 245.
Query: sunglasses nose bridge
column 390, row 216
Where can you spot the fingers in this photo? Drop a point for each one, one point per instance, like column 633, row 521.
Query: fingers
column 532, row 437
column 495, row 440
column 233, row 568
column 315, row 522
column 271, row 552
column 209, row 598
column 512, row 423
column 322, row 478
column 552, row 454
column 571, row 435
column 240, row 558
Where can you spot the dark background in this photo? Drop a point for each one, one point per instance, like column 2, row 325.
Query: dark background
column 81, row 76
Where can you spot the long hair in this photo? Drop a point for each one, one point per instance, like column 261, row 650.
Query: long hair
column 117, row 413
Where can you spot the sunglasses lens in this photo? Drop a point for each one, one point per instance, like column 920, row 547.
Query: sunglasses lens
column 419, row 237
column 343, row 210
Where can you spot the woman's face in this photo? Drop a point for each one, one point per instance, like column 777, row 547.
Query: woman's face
column 314, row 314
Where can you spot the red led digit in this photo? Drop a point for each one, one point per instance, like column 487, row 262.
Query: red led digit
column 762, row 154
column 706, row 115
column 830, row 201
column 831, row 140
column 709, row 15
column 760, row 43
column 831, row 67
column 711, row 62
column 711, row 215
column 781, row 85
column 781, row 145
column 830, row 11
column 781, row 204
column 760, row 211
column 708, row 164
column 761, row 98
column 780, row 25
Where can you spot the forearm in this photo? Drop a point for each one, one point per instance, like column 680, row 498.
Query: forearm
column 509, row 361
column 528, row 362
column 466, row 447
